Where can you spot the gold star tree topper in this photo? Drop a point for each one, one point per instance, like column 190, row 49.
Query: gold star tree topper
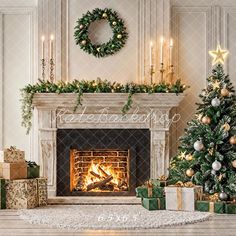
column 219, row 55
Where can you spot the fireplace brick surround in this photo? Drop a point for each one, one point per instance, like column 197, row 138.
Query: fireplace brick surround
column 55, row 111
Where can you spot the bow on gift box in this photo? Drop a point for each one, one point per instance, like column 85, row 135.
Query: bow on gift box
column 183, row 185
column 163, row 178
column 31, row 164
column 12, row 149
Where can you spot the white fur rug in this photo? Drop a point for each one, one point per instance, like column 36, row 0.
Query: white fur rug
column 81, row 217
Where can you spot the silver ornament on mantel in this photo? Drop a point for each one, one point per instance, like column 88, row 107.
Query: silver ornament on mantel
column 215, row 102
column 223, row 196
column 198, row 145
column 216, row 165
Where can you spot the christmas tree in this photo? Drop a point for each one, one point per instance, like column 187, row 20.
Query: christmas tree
column 207, row 151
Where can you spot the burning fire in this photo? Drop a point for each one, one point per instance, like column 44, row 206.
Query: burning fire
column 101, row 177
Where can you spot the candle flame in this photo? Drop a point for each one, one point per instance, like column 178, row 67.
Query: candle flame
column 43, row 38
column 151, row 44
column 171, row 43
column 52, row 37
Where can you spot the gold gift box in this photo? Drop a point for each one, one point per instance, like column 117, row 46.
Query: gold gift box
column 13, row 171
column 12, row 155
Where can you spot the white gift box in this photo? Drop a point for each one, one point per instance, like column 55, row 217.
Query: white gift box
column 182, row 198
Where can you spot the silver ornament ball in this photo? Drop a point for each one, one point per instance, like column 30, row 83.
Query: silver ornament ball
column 223, row 196
column 216, row 165
column 198, row 145
column 215, row 102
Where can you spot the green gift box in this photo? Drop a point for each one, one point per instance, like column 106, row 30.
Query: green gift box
column 152, row 192
column 158, row 182
column 32, row 170
column 230, row 208
column 154, row 203
column 208, row 206
column 2, row 194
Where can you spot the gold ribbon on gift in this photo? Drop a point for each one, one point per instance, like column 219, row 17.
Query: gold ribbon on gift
column 149, row 186
column 211, row 207
column 179, row 198
column 159, row 203
column 181, row 184
column 212, row 198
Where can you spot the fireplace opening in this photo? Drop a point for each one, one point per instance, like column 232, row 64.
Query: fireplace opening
column 105, row 170
column 102, row 162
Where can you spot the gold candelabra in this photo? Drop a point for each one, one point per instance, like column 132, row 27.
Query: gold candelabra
column 51, row 73
column 43, row 64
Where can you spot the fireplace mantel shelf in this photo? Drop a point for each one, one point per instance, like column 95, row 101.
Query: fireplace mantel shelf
column 155, row 100
column 54, row 111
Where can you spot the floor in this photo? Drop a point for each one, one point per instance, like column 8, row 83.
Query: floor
column 219, row 225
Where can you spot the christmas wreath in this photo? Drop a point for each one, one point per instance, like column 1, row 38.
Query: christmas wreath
column 105, row 49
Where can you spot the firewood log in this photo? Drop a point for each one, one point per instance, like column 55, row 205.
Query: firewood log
column 99, row 183
column 95, row 174
column 103, row 171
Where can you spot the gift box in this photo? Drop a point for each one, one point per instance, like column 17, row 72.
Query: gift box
column 230, row 208
column 21, row 194
column 2, row 194
column 149, row 192
column 42, row 191
column 32, row 170
column 12, row 155
column 13, row 171
column 210, row 206
column 182, row 198
column 153, row 203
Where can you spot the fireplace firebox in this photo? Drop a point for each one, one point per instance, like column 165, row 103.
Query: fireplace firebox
column 106, row 162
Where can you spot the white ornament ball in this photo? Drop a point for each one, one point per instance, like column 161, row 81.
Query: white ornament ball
column 198, row 145
column 216, row 165
column 215, row 102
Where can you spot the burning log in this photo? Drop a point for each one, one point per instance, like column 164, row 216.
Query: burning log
column 95, row 174
column 103, row 171
column 99, row 183
column 109, row 187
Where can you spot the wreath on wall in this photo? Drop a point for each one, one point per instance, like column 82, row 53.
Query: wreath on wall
column 115, row 43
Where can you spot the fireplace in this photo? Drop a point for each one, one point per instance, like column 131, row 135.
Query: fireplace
column 59, row 130
column 105, row 170
column 105, row 162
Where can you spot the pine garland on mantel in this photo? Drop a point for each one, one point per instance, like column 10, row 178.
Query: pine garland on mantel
column 94, row 86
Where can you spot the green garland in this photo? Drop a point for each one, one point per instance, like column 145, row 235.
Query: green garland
column 113, row 45
column 94, row 86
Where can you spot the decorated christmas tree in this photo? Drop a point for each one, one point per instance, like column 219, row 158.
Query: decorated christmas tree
column 207, row 151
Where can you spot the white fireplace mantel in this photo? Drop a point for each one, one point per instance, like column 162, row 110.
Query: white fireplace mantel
column 102, row 110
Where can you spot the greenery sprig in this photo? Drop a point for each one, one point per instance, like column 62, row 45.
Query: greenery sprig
column 94, row 86
column 115, row 43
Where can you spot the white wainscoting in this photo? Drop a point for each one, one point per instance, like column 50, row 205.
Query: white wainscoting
column 18, row 66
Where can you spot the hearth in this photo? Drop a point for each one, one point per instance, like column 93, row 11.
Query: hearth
column 106, row 162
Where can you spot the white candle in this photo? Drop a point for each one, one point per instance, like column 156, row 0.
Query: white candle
column 51, row 46
column 151, row 48
column 171, row 51
column 43, row 39
column 161, row 51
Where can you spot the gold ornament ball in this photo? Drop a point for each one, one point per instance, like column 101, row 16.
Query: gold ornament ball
column 189, row 157
column 190, row 172
column 113, row 23
column 233, row 163
column 206, row 120
column 83, row 42
column 119, row 36
column 224, row 92
column 104, row 15
column 232, row 140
